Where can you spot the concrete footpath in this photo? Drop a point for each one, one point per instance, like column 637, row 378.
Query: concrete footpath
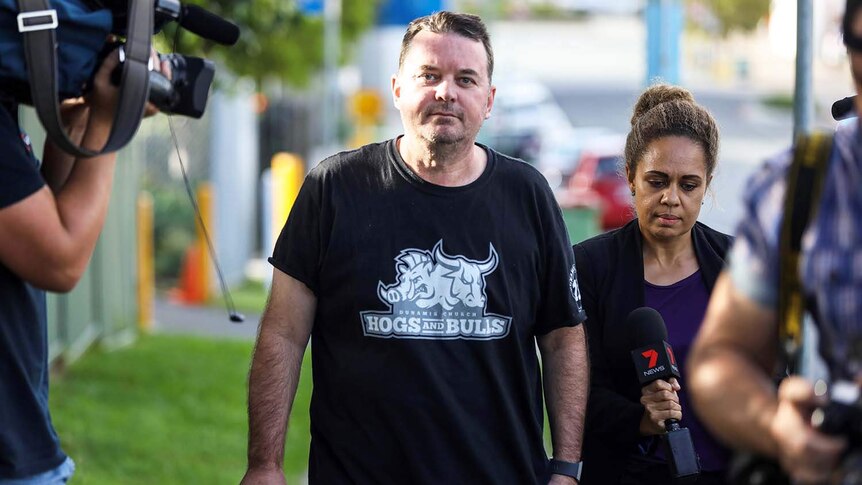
column 175, row 318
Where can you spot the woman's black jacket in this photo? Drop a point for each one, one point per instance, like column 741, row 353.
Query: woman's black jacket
column 611, row 279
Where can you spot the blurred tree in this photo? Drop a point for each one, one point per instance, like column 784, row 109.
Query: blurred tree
column 277, row 40
column 742, row 15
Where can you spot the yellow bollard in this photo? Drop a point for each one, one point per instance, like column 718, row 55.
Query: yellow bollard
column 146, row 266
column 205, row 203
column 288, row 171
column 366, row 108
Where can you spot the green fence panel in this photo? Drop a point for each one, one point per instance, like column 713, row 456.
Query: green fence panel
column 80, row 325
column 116, row 299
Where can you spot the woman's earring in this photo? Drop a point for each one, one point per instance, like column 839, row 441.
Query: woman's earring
column 633, row 192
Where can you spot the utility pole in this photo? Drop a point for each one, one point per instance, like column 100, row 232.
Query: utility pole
column 803, row 99
column 331, row 53
column 664, row 22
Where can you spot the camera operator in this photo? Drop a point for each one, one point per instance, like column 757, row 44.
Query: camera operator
column 736, row 352
column 50, row 220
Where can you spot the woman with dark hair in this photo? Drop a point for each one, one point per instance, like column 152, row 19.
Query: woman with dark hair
column 663, row 259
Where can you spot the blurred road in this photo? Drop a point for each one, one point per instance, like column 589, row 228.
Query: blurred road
column 175, row 318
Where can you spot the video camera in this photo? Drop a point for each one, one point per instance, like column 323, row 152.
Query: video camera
column 51, row 49
column 187, row 91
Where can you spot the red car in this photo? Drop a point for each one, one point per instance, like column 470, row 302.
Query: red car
column 598, row 181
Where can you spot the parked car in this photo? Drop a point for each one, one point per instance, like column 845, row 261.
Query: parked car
column 529, row 124
column 598, row 181
column 558, row 152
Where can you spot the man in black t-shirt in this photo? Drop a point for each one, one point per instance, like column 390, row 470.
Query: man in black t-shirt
column 50, row 218
column 425, row 269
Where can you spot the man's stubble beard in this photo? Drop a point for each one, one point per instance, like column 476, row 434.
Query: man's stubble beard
column 448, row 142
column 449, row 139
column 445, row 139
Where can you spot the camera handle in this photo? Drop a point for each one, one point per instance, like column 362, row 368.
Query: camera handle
column 37, row 23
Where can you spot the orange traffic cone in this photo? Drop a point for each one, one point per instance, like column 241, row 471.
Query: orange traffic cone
column 192, row 287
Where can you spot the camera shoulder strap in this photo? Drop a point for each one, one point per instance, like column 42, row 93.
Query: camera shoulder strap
column 804, row 184
column 37, row 22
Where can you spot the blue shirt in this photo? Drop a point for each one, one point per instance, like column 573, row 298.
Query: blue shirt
column 831, row 263
column 28, row 443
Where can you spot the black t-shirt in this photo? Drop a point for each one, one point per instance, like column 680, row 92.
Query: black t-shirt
column 28, row 443
column 429, row 300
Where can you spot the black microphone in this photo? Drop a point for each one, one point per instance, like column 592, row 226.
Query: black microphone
column 654, row 360
column 208, row 25
column 844, row 108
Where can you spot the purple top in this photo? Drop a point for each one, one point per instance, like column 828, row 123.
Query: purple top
column 683, row 305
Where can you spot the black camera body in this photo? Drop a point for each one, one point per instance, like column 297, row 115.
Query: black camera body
column 841, row 416
column 186, row 92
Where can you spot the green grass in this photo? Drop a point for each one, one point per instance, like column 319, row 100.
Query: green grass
column 168, row 410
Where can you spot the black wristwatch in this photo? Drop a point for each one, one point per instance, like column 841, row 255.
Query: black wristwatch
column 567, row 468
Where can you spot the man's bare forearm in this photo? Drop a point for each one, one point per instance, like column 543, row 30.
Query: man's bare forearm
column 566, row 375
column 272, row 386
column 51, row 236
column 730, row 368
column 284, row 332
column 734, row 398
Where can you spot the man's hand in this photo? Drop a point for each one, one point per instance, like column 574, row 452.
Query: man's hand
column 263, row 477
column 661, row 401
column 163, row 67
column 75, row 115
column 807, row 455
column 102, row 100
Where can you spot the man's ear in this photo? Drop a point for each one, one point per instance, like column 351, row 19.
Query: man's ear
column 395, row 85
column 491, row 94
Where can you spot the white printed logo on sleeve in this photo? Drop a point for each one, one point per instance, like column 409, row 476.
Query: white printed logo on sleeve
column 575, row 288
column 437, row 296
column 573, row 284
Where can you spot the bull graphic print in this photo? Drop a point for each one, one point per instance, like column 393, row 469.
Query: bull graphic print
column 437, row 296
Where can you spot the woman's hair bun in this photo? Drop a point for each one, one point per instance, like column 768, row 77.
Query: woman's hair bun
column 656, row 95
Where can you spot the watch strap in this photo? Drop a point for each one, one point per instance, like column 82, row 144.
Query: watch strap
column 567, row 468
